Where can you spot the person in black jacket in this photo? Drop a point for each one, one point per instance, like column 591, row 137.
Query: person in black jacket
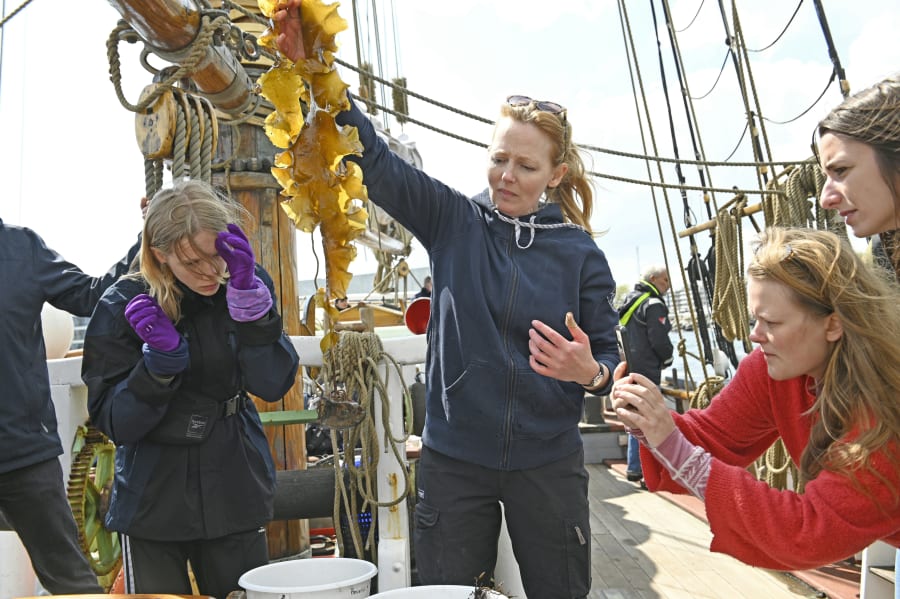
column 32, row 493
column 425, row 291
column 170, row 356
column 645, row 316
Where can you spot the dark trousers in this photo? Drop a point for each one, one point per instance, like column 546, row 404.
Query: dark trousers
column 458, row 518
column 217, row 564
column 34, row 502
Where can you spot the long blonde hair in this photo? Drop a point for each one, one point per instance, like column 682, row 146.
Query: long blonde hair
column 574, row 194
column 858, row 394
column 175, row 214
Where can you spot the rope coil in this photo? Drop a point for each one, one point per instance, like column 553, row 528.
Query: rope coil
column 358, row 364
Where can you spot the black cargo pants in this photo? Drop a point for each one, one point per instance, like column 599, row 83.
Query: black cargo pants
column 458, row 518
column 34, row 502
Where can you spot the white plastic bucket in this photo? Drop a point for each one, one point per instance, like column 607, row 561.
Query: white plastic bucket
column 332, row 578
column 436, row 592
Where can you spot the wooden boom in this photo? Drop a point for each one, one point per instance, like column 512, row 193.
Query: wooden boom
column 169, row 27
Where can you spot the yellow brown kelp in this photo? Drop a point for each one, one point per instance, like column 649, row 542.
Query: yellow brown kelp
column 319, row 187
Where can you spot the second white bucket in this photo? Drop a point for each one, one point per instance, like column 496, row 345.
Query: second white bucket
column 436, row 592
column 332, row 578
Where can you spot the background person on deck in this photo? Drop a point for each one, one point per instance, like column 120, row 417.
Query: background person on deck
column 507, row 369
column 169, row 357
column 425, row 291
column 859, row 152
column 825, row 379
column 32, row 493
column 645, row 316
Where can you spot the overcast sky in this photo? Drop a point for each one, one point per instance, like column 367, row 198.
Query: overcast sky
column 71, row 168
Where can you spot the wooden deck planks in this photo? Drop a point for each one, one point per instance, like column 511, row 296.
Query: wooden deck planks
column 645, row 547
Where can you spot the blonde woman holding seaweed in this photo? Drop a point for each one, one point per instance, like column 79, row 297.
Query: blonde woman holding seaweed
column 521, row 323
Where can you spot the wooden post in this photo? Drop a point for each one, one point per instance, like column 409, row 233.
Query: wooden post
column 367, row 316
column 272, row 235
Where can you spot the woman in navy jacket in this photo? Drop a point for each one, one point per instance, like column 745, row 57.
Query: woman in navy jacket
column 169, row 357
column 521, row 323
column 32, row 492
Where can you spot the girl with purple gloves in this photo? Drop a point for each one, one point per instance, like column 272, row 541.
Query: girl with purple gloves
column 170, row 356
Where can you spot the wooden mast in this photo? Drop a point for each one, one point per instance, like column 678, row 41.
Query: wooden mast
column 169, row 27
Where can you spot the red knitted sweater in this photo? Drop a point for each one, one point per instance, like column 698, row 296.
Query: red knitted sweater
column 761, row 526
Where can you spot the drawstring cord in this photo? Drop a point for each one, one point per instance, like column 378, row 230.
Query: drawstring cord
column 531, row 226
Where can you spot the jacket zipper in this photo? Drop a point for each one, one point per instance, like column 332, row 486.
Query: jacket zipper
column 511, row 371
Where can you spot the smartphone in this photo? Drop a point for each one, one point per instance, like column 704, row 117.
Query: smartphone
column 625, row 354
column 624, row 347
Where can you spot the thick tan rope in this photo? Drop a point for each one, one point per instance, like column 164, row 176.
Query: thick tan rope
column 793, row 207
column 356, row 364
column 197, row 53
column 706, row 391
column 729, row 295
column 776, row 468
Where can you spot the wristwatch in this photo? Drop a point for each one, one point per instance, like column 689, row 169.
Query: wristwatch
column 595, row 382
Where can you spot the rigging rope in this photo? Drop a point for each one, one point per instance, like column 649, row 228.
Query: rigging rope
column 706, row 391
column 729, row 306
column 793, row 208
column 198, row 48
column 783, row 31
column 356, row 363
column 15, row 11
column 636, row 78
column 776, row 468
column 196, row 123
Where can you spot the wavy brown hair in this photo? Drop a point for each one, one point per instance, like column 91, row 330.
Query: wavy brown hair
column 175, row 214
column 574, row 194
column 872, row 116
column 856, row 411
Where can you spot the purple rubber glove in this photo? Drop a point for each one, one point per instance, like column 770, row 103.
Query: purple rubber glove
column 235, row 249
column 247, row 305
column 151, row 324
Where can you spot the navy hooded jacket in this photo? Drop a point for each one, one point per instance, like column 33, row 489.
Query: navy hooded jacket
column 485, row 405
column 182, row 492
column 31, row 274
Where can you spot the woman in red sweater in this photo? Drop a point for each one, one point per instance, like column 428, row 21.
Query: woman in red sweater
column 825, row 379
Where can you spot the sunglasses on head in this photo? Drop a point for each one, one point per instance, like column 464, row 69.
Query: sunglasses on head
column 542, row 105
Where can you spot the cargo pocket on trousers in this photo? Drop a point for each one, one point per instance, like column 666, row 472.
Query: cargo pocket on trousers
column 427, row 541
column 578, row 550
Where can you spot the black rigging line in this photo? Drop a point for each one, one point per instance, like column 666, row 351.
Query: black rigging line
column 421, row 123
column 703, row 269
column 832, row 51
column 738, row 145
column 813, row 105
column 739, row 74
column 791, row 20
column 665, row 87
column 695, row 265
column 583, row 146
column 409, row 92
column 696, row 14
column 719, row 76
column 682, row 81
